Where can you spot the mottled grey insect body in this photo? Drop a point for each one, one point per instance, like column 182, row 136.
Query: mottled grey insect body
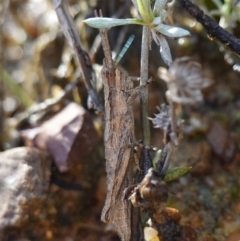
column 119, row 126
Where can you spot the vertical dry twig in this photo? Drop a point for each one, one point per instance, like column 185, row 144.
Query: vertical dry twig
column 144, row 91
column 70, row 31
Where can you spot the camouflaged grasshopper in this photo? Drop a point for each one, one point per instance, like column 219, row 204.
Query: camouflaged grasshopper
column 118, row 137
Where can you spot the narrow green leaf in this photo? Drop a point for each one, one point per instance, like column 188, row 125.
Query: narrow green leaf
column 170, row 31
column 16, row 89
column 175, row 173
column 145, row 10
column 111, row 22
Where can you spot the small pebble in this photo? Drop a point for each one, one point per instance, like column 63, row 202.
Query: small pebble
column 173, row 213
column 221, row 142
column 150, row 234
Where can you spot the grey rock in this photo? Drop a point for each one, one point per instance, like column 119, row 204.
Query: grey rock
column 24, row 181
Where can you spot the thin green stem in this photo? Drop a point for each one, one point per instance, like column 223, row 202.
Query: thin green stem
column 172, row 114
column 144, row 91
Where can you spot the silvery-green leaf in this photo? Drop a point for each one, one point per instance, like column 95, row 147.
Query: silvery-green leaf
column 170, row 31
column 156, row 157
column 175, row 173
column 158, row 6
column 155, row 37
column 144, row 7
column 157, row 20
column 111, row 22
column 165, row 50
column 164, row 47
column 135, row 4
column 164, row 14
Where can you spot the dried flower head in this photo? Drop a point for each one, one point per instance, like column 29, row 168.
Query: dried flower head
column 169, row 123
column 185, row 81
column 162, row 119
